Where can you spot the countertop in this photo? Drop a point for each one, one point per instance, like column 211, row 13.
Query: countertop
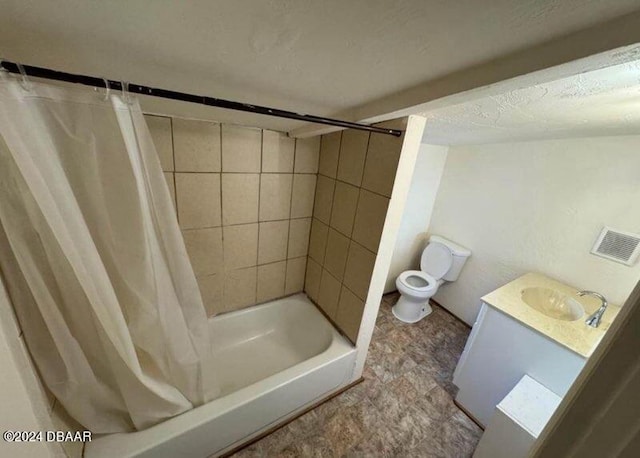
column 574, row 335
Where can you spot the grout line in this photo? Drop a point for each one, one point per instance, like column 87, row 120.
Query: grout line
column 359, row 187
column 242, row 173
column 259, row 196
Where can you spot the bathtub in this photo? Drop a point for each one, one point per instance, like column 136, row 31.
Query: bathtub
column 274, row 359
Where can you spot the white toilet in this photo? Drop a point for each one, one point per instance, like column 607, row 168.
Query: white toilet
column 441, row 261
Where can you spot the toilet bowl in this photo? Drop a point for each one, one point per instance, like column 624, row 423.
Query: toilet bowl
column 441, row 261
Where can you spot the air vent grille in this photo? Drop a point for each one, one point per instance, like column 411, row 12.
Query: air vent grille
column 618, row 246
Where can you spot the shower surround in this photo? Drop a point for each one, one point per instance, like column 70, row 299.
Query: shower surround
column 356, row 175
column 244, row 200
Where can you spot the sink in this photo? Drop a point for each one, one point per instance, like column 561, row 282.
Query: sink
column 553, row 304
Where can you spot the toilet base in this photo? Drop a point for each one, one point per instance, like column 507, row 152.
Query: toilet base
column 410, row 311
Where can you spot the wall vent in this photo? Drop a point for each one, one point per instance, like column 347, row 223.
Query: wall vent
column 619, row 246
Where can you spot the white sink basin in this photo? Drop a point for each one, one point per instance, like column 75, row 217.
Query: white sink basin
column 553, row 304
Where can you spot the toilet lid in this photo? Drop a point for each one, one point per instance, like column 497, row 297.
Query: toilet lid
column 436, row 260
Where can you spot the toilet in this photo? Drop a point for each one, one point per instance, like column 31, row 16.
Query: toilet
column 441, row 261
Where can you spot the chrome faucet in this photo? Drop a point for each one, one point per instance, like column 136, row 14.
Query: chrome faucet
column 595, row 318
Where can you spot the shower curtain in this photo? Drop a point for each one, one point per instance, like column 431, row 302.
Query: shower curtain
column 94, row 261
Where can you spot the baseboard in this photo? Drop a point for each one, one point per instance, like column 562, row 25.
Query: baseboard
column 466, row 412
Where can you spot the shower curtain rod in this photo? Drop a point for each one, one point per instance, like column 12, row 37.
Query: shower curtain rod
column 40, row 72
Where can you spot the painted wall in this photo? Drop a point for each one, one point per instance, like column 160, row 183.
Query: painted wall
column 537, row 206
column 413, row 235
column 355, row 180
column 244, row 200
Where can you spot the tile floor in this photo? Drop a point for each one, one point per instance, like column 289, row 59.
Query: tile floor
column 403, row 408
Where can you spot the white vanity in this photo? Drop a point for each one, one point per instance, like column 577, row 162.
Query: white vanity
column 532, row 326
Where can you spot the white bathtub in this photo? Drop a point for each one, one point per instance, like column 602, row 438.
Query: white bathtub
column 274, row 359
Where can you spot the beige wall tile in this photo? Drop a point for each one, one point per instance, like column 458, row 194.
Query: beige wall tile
column 370, row 216
column 336, row 254
column 168, row 177
column 160, row 129
column 353, row 151
column 357, row 274
column 307, row 155
column 312, row 279
column 318, row 240
column 299, row 237
column 241, row 149
column 329, row 293
column 272, row 241
column 324, row 199
column 240, row 198
column 271, row 278
column 349, row 315
column 329, row 152
column 345, row 201
column 304, row 190
column 198, row 198
column 296, row 268
column 277, row 152
column 211, row 287
column 240, row 245
column 275, row 196
column 239, row 288
column 382, row 161
column 205, row 250
column 197, row 145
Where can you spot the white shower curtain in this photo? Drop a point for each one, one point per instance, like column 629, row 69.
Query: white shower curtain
column 93, row 258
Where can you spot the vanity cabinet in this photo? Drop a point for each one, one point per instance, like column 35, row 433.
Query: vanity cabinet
column 499, row 352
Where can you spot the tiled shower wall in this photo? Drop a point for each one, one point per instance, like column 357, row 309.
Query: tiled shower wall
column 356, row 175
column 244, row 201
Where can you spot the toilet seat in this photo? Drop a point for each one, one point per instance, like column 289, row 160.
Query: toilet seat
column 406, row 278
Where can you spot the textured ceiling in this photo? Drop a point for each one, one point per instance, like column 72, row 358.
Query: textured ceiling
column 321, row 57
column 600, row 102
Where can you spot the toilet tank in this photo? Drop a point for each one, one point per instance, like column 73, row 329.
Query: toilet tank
column 459, row 254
